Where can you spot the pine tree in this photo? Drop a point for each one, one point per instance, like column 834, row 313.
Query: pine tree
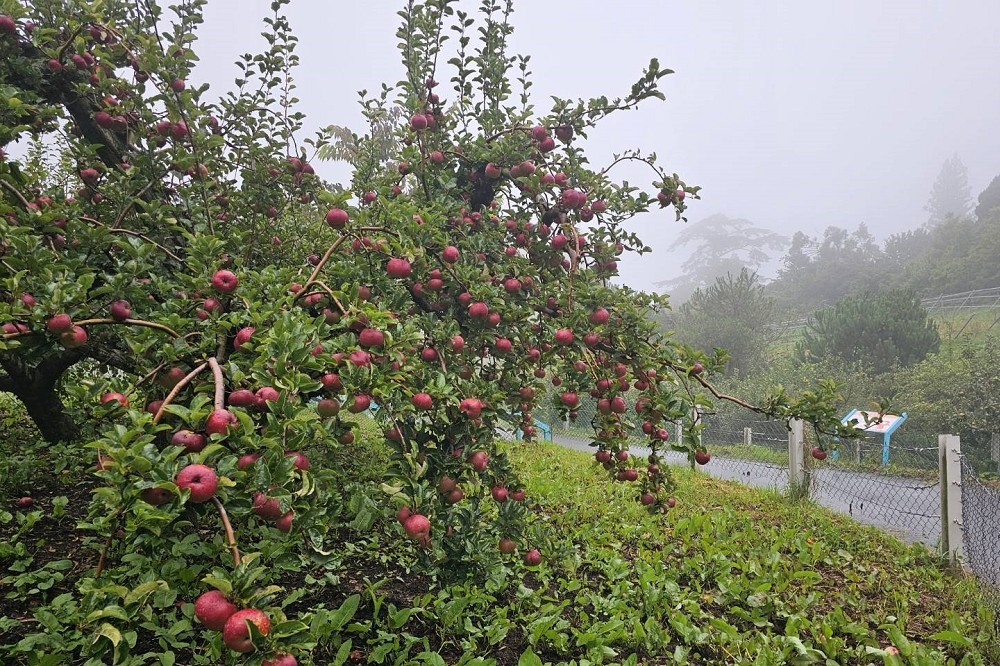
column 950, row 196
column 989, row 201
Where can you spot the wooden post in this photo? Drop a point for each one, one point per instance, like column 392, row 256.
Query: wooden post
column 796, row 457
column 950, row 476
column 747, row 437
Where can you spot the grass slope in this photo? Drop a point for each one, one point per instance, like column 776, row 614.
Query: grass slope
column 734, row 575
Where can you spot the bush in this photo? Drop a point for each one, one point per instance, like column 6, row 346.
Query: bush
column 881, row 330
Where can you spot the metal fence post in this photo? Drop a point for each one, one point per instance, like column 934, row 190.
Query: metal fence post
column 950, row 475
column 796, row 457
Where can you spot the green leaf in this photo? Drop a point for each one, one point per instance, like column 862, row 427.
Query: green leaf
column 110, row 632
column 145, row 590
column 529, row 658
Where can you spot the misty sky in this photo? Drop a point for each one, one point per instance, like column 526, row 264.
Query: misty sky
column 795, row 115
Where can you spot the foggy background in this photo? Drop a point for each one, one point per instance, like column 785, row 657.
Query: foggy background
column 795, row 116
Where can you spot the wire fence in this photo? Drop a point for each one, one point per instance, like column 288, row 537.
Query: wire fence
column 901, row 496
column 981, row 529
column 754, row 452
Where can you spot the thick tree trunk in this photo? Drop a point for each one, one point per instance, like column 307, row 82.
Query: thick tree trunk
column 35, row 386
column 49, row 414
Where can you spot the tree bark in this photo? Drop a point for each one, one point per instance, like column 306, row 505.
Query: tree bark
column 36, row 388
column 49, row 414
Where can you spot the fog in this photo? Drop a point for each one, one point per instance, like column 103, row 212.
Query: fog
column 793, row 115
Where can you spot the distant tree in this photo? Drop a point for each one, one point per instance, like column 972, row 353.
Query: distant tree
column 721, row 245
column 818, row 272
column 884, row 329
column 733, row 314
column 989, row 201
column 950, row 196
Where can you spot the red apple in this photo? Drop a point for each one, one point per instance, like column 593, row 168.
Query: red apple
column 120, row 310
column 236, row 632
column 247, row 459
column 178, row 85
column 450, row 254
column 418, row 528
column 242, row 398
column 446, row 484
column 224, row 281
column 479, row 460
column 418, row 122
column 73, row 338
column 702, row 457
column 328, row 408
column 533, row 557
column 337, row 218
column 60, row 323
column 422, row 401
column 564, row 336
column 370, row 337
column 599, row 316
column 266, row 507
column 471, row 407
column 360, row 403
column 398, row 268
column 264, row 395
column 213, row 608
column 201, row 480
column 507, row 546
column 818, row 453
column 116, row 397
column 301, row 461
column 219, row 422
column 243, row 336
column 280, row 660
column 284, row 523
column 499, row 493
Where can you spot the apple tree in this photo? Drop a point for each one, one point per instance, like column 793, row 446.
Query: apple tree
column 185, row 297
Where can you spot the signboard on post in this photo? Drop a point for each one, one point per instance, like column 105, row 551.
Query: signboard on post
column 874, row 424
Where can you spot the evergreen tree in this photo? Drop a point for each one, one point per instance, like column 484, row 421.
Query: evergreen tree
column 989, row 201
column 733, row 314
column 882, row 330
column 950, row 196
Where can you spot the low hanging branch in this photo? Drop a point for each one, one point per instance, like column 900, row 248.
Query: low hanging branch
column 228, row 526
column 220, row 383
column 131, row 322
column 177, row 389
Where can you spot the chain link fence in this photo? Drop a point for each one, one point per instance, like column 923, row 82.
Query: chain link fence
column 754, row 452
column 981, row 528
column 894, row 488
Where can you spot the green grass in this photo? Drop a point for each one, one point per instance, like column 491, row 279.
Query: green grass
column 740, row 576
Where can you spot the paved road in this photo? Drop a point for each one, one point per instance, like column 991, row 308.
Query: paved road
column 908, row 508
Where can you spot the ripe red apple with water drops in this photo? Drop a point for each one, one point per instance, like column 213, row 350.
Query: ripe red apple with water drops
column 213, row 609
column 236, row 632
